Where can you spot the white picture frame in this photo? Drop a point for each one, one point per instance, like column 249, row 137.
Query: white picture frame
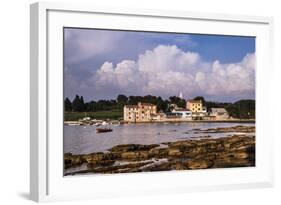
column 46, row 163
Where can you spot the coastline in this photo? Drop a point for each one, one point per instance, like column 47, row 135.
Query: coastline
column 202, row 152
column 235, row 151
column 163, row 121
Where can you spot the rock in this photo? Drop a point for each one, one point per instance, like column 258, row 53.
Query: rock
column 140, row 155
column 241, row 155
column 246, row 129
column 201, row 137
column 100, row 163
column 184, row 143
column 129, row 155
column 199, row 164
column 237, row 158
column 132, row 147
column 100, row 157
column 133, row 167
column 158, row 167
column 158, row 152
column 174, row 152
column 72, row 160
column 203, row 153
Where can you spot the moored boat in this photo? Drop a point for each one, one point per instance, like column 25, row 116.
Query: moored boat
column 101, row 130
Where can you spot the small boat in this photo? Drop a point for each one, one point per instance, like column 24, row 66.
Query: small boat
column 101, row 130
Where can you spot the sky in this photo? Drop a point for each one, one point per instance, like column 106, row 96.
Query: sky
column 101, row 64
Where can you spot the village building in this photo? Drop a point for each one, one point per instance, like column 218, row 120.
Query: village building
column 195, row 106
column 158, row 116
column 147, row 112
column 172, row 115
column 204, row 109
column 142, row 112
column 219, row 113
column 182, row 113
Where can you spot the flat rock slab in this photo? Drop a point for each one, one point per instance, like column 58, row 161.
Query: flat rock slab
column 202, row 153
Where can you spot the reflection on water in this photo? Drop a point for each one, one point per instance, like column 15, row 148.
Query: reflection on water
column 84, row 140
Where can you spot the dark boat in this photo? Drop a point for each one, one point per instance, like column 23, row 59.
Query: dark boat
column 101, row 130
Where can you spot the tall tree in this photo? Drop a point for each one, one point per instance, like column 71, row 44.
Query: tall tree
column 162, row 105
column 82, row 104
column 122, row 99
column 67, row 105
column 201, row 98
column 178, row 101
column 78, row 104
column 133, row 100
column 246, row 108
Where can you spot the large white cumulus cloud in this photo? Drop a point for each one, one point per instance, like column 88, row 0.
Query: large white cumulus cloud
column 166, row 70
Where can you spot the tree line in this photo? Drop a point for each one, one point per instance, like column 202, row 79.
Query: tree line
column 242, row 109
column 78, row 104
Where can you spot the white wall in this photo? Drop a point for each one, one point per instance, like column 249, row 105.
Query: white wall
column 14, row 81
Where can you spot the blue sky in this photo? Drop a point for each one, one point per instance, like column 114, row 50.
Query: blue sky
column 227, row 49
column 100, row 64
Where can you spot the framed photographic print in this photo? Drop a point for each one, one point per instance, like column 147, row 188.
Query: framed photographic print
column 147, row 101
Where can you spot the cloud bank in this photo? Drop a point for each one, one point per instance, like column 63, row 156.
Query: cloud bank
column 167, row 70
column 100, row 64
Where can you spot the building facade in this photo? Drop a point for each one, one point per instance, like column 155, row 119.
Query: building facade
column 183, row 113
column 219, row 113
column 142, row 112
column 195, row 106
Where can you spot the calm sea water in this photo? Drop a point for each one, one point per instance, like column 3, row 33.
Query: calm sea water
column 84, row 139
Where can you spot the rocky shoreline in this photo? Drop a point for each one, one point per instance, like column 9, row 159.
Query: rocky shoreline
column 117, row 122
column 239, row 128
column 201, row 153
